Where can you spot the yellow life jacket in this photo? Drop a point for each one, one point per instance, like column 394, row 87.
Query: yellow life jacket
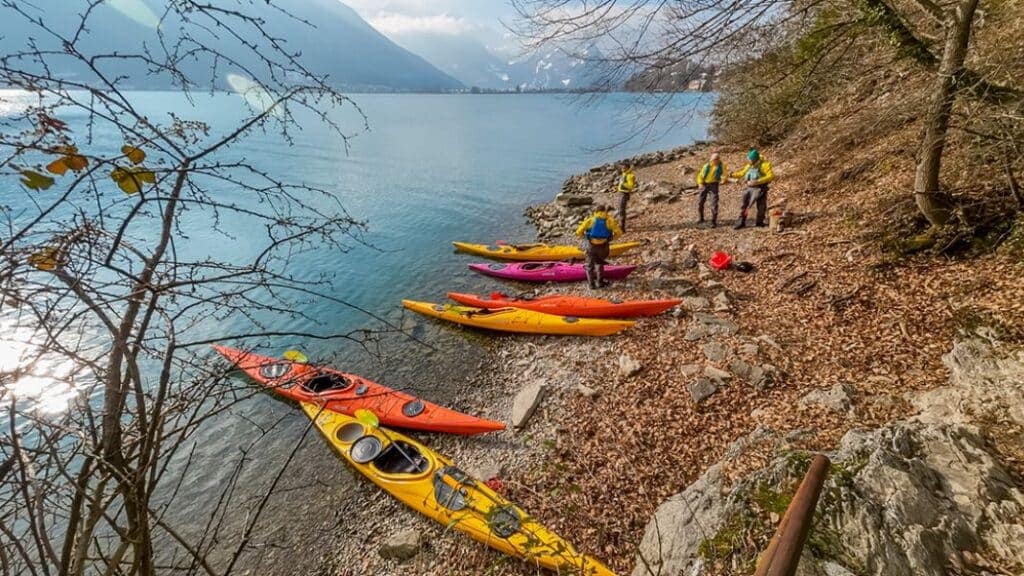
column 627, row 182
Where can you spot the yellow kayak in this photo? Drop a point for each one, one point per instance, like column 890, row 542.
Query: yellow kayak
column 535, row 252
column 518, row 320
column 428, row 483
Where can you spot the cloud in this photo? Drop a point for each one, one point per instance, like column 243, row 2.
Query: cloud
column 395, row 24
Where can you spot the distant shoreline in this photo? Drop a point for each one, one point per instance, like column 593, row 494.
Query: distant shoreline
column 463, row 92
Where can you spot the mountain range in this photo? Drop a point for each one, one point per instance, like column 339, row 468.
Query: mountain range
column 467, row 59
column 329, row 37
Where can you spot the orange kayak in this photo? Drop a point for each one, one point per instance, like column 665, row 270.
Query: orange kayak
column 346, row 393
column 568, row 305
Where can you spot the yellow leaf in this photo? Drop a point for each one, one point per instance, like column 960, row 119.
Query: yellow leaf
column 58, row 166
column 130, row 180
column 76, row 162
column 135, row 155
column 45, row 259
column 35, row 181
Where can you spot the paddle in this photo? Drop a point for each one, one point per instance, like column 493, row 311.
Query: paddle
column 367, row 418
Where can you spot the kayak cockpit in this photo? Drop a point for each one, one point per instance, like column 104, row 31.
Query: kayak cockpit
column 326, row 382
column 401, row 458
column 398, row 458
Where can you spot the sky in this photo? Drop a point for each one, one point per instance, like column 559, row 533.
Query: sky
column 480, row 18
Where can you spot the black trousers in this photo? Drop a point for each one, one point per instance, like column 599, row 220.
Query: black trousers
column 710, row 191
column 757, row 195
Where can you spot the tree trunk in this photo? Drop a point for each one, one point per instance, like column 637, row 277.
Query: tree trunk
column 929, row 199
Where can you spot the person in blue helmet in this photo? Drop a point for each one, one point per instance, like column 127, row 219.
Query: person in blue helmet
column 756, row 175
column 597, row 233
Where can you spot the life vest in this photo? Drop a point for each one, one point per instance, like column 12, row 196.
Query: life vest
column 754, row 172
column 627, row 182
column 599, row 232
column 707, row 170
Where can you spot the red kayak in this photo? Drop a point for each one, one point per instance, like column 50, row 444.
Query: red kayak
column 346, row 393
column 568, row 305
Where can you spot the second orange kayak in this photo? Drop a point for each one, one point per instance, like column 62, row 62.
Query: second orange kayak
column 569, row 305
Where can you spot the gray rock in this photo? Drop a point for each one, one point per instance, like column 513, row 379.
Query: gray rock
column 758, row 376
column 526, row 403
column 716, row 373
column 701, row 388
column 695, row 303
column 487, row 470
column 705, row 325
column 628, row 367
column 749, row 349
column 703, row 272
column 571, row 200
column 721, row 302
column 690, row 370
column 831, row 568
column 678, row 285
column 586, row 391
column 716, row 351
column 402, row 546
column 838, row 398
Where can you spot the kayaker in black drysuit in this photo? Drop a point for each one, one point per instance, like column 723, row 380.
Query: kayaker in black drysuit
column 597, row 232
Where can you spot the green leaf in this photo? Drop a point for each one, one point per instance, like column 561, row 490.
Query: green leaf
column 35, row 181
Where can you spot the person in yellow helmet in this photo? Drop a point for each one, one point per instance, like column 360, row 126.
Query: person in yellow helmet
column 756, row 175
column 626, row 186
column 709, row 178
column 597, row 232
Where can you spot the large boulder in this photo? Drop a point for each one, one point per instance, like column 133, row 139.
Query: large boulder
column 929, row 495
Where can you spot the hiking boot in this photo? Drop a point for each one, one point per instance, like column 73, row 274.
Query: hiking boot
column 593, row 285
column 760, row 224
column 739, row 224
column 603, row 283
column 714, row 223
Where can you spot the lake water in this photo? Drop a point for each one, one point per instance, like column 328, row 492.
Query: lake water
column 432, row 169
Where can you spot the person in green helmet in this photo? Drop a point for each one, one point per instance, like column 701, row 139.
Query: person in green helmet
column 756, row 175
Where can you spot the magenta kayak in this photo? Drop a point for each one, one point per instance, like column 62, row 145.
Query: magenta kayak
column 547, row 271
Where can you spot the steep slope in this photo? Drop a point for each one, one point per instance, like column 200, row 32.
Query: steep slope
column 331, row 39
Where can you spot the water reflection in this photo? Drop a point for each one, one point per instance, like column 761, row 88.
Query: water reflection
column 16, row 102
column 41, row 383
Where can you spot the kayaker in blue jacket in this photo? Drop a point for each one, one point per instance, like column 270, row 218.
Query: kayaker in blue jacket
column 597, row 232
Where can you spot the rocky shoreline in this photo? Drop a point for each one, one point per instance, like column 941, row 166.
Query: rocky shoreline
column 717, row 404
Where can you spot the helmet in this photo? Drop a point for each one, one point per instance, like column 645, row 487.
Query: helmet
column 753, row 155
